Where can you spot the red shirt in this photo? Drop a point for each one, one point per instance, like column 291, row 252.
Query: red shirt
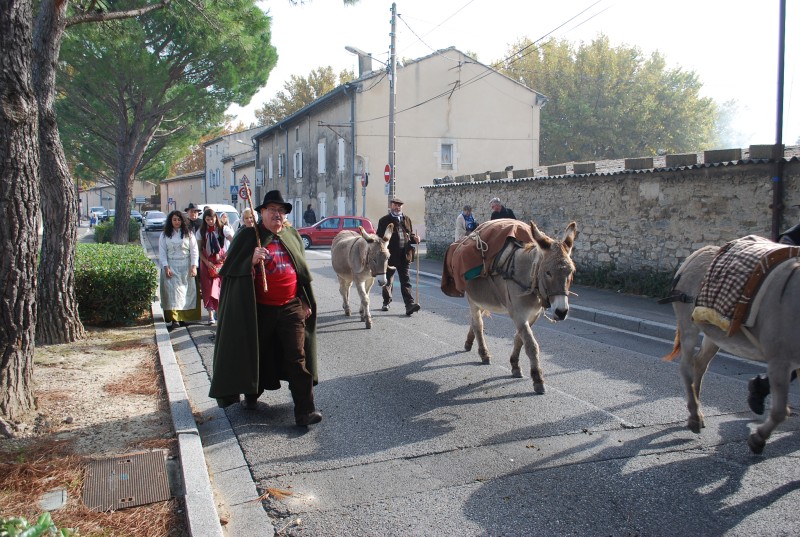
column 281, row 277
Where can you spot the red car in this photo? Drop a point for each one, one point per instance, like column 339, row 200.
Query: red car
column 323, row 232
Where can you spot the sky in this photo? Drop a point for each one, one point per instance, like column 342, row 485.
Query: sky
column 732, row 45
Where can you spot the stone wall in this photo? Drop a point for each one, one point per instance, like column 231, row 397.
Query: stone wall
column 635, row 221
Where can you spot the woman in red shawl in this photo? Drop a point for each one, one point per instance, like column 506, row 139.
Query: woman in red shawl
column 212, row 254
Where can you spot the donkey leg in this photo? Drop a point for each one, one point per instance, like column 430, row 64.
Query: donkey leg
column 344, row 290
column 525, row 333
column 516, row 372
column 779, row 409
column 477, row 332
column 470, row 339
column 693, row 368
column 364, row 310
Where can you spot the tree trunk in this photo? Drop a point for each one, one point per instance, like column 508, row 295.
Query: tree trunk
column 58, row 320
column 19, row 238
column 124, row 192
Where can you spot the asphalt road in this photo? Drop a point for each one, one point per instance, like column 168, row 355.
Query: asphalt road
column 419, row 438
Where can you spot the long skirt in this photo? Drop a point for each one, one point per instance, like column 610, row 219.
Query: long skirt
column 210, row 288
column 180, row 298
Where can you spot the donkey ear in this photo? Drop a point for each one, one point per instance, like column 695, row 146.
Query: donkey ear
column 388, row 233
column 541, row 239
column 364, row 234
column 570, row 235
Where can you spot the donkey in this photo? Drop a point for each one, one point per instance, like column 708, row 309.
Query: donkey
column 360, row 257
column 773, row 338
column 529, row 280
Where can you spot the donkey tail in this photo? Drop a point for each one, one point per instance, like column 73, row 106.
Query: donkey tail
column 676, row 347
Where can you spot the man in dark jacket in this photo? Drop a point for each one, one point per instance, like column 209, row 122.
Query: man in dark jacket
column 401, row 253
column 309, row 217
column 267, row 333
column 499, row 211
column 193, row 220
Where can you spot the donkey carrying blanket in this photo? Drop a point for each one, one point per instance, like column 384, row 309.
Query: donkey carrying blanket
column 472, row 256
column 734, row 278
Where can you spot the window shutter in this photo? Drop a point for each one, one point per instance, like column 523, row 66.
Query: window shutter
column 341, row 154
column 321, row 157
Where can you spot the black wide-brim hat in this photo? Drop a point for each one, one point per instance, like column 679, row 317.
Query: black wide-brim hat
column 191, row 207
column 274, row 196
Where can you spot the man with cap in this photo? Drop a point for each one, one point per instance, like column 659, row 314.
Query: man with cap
column 267, row 333
column 193, row 212
column 499, row 211
column 401, row 253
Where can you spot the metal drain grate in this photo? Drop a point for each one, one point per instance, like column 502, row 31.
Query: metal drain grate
column 125, row 481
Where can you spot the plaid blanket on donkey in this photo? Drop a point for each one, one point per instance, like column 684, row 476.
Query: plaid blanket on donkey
column 734, row 278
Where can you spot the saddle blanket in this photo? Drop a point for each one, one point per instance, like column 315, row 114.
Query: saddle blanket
column 734, row 278
column 471, row 256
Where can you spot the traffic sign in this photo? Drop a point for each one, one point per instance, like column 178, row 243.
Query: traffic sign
column 364, row 178
column 387, row 173
column 244, row 180
column 243, row 192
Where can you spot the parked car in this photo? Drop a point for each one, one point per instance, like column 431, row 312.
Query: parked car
column 323, row 232
column 154, row 221
column 136, row 215
column 109, row 215
column 219, row 208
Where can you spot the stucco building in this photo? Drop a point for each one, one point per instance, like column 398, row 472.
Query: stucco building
column 452, row 113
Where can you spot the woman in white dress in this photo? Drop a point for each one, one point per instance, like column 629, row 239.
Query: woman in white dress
column 178, row 256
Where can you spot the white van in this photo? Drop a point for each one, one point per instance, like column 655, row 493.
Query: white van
column 219, row 208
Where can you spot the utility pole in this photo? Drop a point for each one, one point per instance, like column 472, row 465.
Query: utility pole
column 777, row 153
column 392, row 95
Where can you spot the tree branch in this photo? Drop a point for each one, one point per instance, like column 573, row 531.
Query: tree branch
column 115, row 15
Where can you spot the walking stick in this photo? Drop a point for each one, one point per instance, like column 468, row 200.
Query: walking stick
column 258, row 236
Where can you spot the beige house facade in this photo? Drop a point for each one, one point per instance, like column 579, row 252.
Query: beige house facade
column 177, row 192
column 230, row 159
column 452, row 115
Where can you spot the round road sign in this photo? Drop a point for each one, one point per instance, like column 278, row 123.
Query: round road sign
column 387, row 173
column 243, row 192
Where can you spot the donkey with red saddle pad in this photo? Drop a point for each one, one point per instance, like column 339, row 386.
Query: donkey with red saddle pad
column 517, row 270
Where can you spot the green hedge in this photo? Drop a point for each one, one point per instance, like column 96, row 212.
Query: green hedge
column 103, row 231
column 115, row 284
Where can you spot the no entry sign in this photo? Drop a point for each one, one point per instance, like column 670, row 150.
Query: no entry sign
column 387, row 173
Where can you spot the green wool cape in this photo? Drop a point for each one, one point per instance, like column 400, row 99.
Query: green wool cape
column 236, row 367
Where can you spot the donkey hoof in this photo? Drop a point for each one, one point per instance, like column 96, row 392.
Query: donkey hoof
column 486, row 361
column 516, row 373
column 347, row 313
column 538, row 388
column 468, row 346
column 694, row 425
column 756, row 443
column 369, row 323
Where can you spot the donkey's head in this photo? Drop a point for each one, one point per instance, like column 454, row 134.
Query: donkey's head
column 553, row 273
column 378, row 253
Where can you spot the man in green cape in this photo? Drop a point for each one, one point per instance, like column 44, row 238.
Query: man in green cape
column 267, row 332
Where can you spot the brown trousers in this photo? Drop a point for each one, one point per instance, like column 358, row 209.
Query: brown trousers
column 284, row 327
